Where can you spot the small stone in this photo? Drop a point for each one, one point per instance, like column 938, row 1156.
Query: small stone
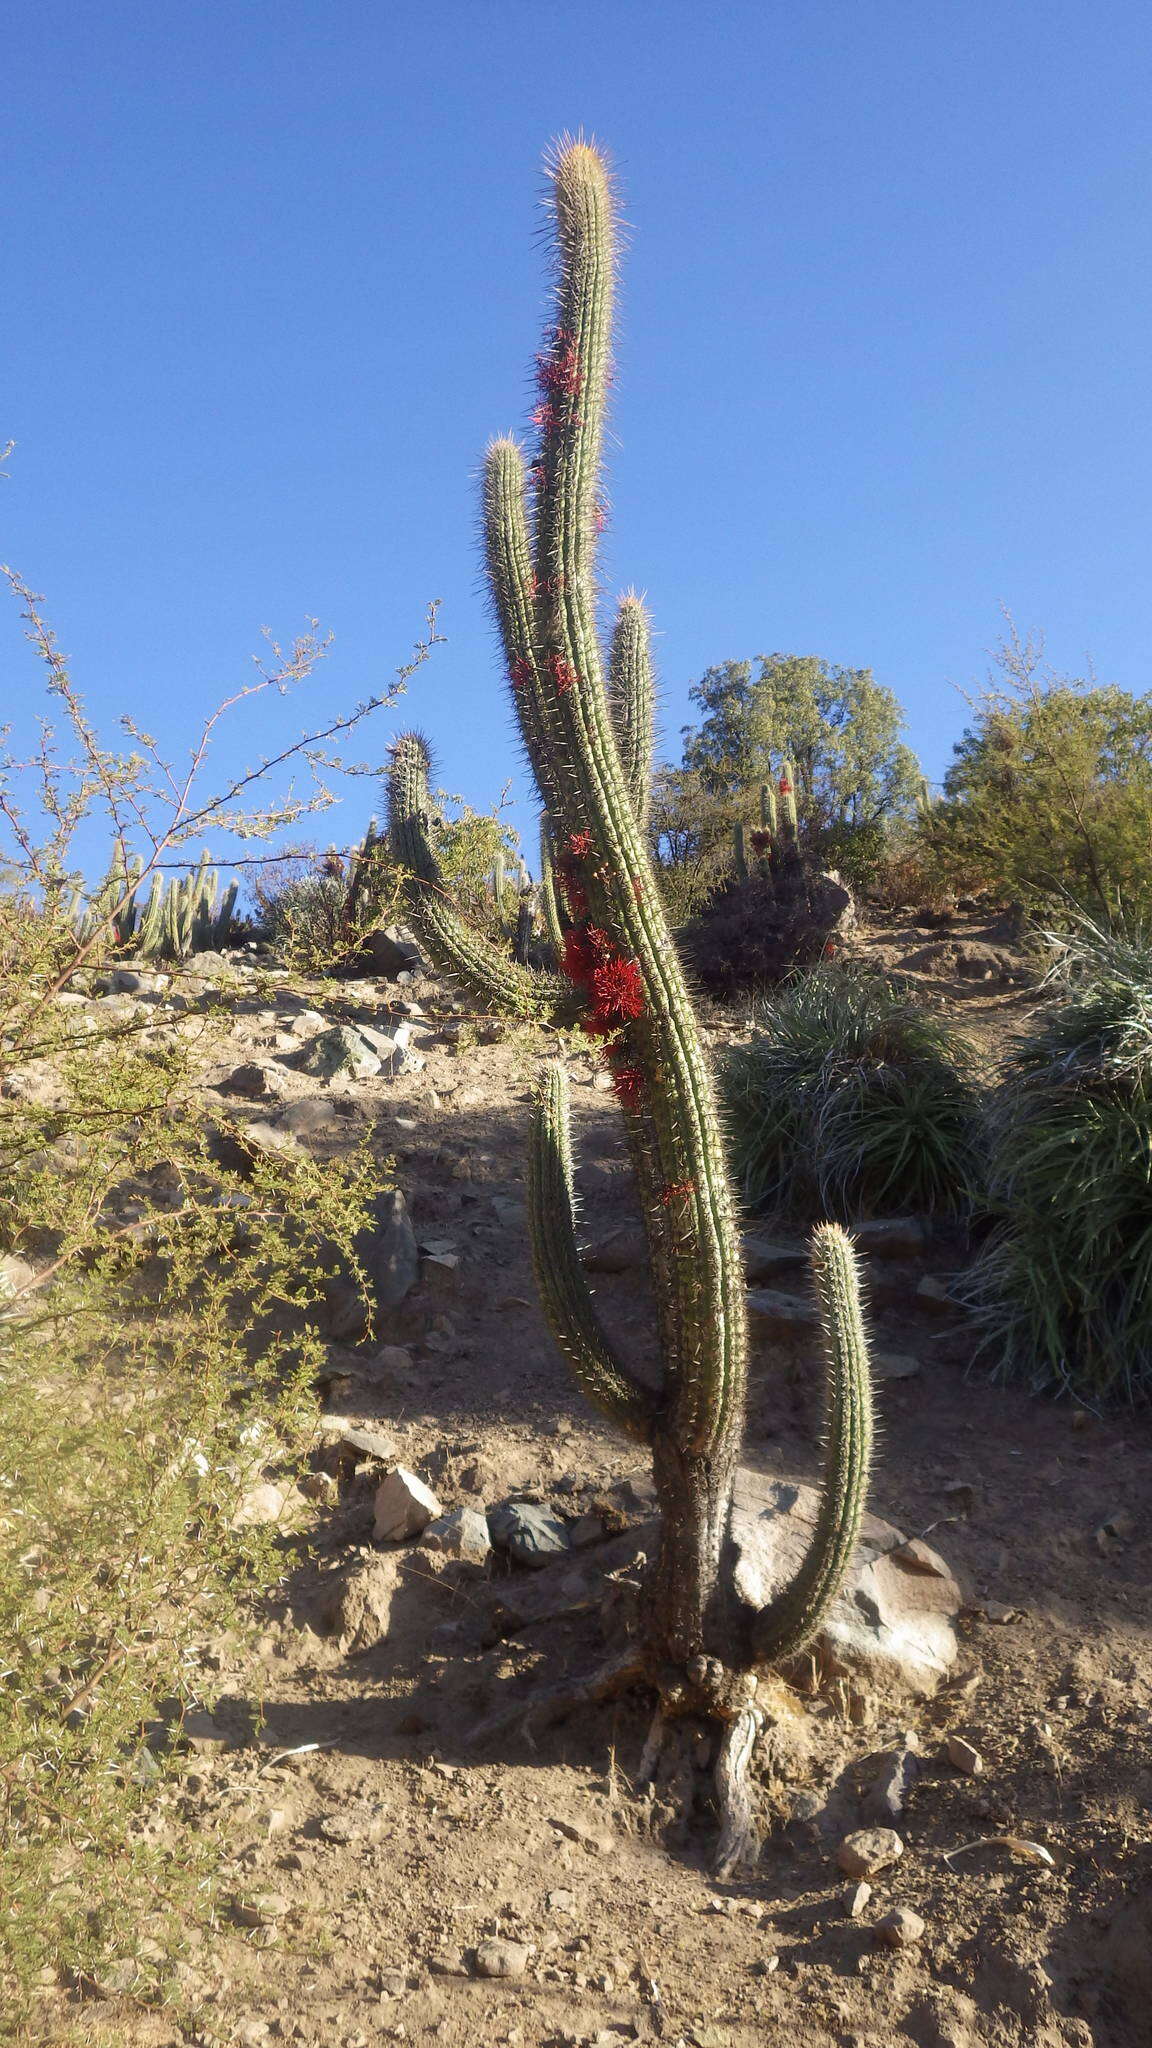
column 998, row 1611
column 357, row 1610
column 339, row 1828
column 856, row 1899
column 462, row 1534
column 500, row 1958
column 965, row 1757
column 531, row 1534
column 887, row 1796
column 895, row 1365
column 936, row 1294
column 250, row 1080
column 902, row 1928
column 561, row 1901
column 404, row 1507
column 869, row 1850
column 268, row 1503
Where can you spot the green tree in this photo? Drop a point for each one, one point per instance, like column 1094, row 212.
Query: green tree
column 1049, row 798
column 839, row 727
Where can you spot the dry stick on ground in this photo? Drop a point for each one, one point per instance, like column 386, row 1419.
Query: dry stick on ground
column 586, row 726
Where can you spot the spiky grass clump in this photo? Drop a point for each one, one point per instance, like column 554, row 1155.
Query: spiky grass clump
column 851, row 1100
column 1064, row 1286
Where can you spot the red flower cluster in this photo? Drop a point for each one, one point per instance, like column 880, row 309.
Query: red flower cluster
column 761, row 841
column 628, row 1086
column 586, row 948
column 618, row 992
column 560, row 371
column 562, row 673
column 580, row 844
column 785, row 786
column 520, row 672
column 546, row 416
column 677, row 1191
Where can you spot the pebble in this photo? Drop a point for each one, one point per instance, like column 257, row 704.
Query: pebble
column 868, row 1850
column 500, row 1958
column 965, row 1756
column 856, row 1899
column 404, row 1506
column 887, row 1795
column 902, row 1928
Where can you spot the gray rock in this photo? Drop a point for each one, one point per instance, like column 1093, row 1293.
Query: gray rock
column 404, row 1506
column 891, row 1237
column 387, row 1249
column 341, row 1050
column 894, row 1365
column 763, row 1260
column 250, row 1080
column 393, row 952
column 531, row 1534
column 935, row 1294
column 902, row 1928
column 781, row 1314
column 868, row 1851
column 501, row 1958
column 887, row 1795
column 893, row 1622
column 463, row 1534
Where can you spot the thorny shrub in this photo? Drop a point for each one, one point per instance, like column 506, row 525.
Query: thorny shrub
column 157, row 1341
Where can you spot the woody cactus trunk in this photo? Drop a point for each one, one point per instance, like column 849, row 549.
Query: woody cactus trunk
column 587, row 727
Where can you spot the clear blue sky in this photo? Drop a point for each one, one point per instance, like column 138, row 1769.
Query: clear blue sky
column 272, row 276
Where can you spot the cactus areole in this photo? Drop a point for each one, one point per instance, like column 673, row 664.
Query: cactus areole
column 587, row 728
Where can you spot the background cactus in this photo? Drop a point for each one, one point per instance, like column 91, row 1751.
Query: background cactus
column 587, row 729
column 187, row 916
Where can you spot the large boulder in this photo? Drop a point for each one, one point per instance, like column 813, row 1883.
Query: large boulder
column 894, row 1622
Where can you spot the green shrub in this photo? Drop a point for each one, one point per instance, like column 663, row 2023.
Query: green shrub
column 852, row 1099
column 1063, row 1288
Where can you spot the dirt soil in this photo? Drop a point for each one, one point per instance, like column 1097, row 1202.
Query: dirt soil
column 375, row 1846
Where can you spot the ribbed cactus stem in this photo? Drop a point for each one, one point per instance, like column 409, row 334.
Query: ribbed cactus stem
column 457, row 947
column 632, row 700
column 768, row 808
column 555, row 922
column 791, row 1621
column 739, row 852
column 560, row 1276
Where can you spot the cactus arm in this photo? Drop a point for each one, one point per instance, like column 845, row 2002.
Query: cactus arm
column 792, row 1619
column 554, row 920
column 632, row 698
column 739, row 852
column 564, row 1290
column 512, row 588
column 456, row 947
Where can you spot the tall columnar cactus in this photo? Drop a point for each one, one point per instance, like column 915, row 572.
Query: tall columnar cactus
column 586, row 726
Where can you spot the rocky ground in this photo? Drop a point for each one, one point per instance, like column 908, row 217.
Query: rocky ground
column 956, row 1796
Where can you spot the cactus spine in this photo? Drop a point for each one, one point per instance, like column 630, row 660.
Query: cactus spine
column 587, row 727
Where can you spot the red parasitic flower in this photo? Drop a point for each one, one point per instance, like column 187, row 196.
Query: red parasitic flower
column 628, row 1086
column 618, row 991
column 559, row 371
column 761, row 841
column 580, row 844
column 562, row 673
column 580, row 959
column 677, row 1191
column 520, row 672
column 599, row 518
column 545, row 416
column 785, row 786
